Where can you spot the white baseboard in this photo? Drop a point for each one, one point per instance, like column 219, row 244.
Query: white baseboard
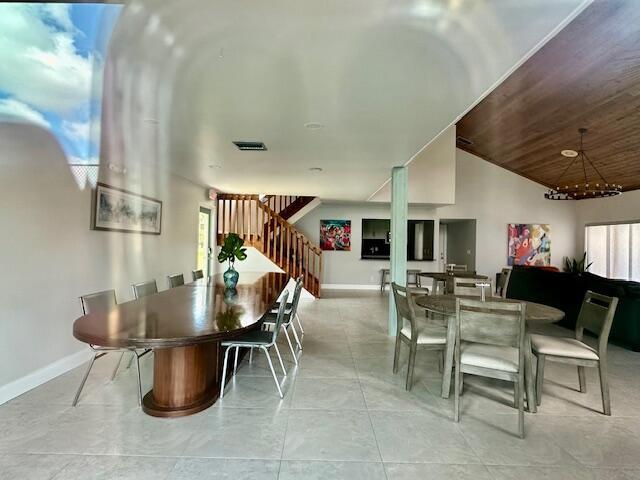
column 43, row 375
column 346, row 286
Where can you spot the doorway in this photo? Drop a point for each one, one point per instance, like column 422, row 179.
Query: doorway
column 203, row 262
column 458, row 243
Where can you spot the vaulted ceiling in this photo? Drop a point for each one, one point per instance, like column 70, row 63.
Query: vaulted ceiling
column 383, row 78
column 586, row 76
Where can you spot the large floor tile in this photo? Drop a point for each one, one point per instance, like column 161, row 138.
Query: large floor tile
column 326, row 367
column 596, row 441
column 561, row 473
column 330, row 435
column 384, row 395
column 257, row 392
column 31, row 467
column 109, row 467
column 315, row 470
column 224, row 469
column 417, row 438
column 495, row 439
column 434, row 471
column 238, row 433
column 328, row 394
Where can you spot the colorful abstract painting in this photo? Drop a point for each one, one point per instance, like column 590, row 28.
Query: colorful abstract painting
column 335, row 235
column 529, row 244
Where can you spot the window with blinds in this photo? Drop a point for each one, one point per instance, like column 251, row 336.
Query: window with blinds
column 614, row 250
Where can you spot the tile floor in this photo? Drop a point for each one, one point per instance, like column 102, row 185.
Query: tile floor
column 344, row 415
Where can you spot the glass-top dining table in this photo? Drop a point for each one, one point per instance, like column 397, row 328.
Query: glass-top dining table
column 535, row 313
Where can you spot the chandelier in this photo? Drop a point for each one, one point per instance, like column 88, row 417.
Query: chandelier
column 597, row 188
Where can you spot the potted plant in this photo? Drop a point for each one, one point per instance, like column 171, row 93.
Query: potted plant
column 575, row 265
column 231, row 251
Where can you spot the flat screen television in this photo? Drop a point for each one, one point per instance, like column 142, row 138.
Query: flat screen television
column 376, row 239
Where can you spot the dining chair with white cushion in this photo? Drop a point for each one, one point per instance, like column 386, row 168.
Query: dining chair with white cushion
column 417, row 333
column 596, row 316
column 260, row 339
column 100, row 302
column 471, row 287
column 490, row 342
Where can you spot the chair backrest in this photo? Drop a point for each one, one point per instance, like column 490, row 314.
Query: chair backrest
column 468, row 286
column 197, row 274
column 175, row 280
column 405, row 310
column 98, row 302
column 596, row 316
column 504, row 282
column 456, row 268
column 280, row 316
column 297, row 292
column 144, row 289
column 492, row 323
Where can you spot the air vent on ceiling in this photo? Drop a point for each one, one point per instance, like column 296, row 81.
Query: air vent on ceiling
column 250, row 145
column 463, row 140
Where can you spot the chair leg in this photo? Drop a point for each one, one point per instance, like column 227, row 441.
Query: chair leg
column 235, row 362
column 273, row 372
column 250, row 355
column 115, row 370
column 299, row 324
column 130, row 362
column 448, row 359
column 224, row 371
column 521, row 388
column 139, row 378
column 84, row 379
column 461, row 383
column 295, row 336
column 539, row 378
column 528, row 376
column 293, row 352
column 412, row 362
column 604, row 387
column 396, row 354
column 516, row 395
column 456, row 393
column 582, row 381
column 284, row 372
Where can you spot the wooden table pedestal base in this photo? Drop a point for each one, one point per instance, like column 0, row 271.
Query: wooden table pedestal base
column 186, row 380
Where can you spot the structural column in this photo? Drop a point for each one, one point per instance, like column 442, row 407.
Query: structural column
column 399, row 214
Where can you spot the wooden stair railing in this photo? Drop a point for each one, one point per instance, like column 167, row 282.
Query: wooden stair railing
column 263, row 228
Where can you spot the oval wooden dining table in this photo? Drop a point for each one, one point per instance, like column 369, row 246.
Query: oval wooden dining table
column 184, row 327
column 535, row 313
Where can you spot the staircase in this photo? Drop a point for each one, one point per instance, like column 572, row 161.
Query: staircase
column 262, row 223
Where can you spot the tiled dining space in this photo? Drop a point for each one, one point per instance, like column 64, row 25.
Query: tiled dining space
column 344, row 415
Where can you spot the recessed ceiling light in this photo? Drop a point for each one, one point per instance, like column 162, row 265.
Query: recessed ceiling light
column 215, row 165
column 314, row 125
column 569, row 153
column 151, row 120
column 315, row 169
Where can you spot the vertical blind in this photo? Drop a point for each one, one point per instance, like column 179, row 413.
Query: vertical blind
column 614, row 250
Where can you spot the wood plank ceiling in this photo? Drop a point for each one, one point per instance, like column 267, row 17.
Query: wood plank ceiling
column 588, row 75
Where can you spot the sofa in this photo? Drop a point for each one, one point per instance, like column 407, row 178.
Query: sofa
column 566, row 291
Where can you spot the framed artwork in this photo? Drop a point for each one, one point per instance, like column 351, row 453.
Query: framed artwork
column 335, row 235
column 529, row 244
column 118, row 210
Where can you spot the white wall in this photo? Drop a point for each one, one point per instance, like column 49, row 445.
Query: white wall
column 492, row 195
column 623, row 208
column 347, row 268
column 435, row 166
column 49, row 255
column 496, row 197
